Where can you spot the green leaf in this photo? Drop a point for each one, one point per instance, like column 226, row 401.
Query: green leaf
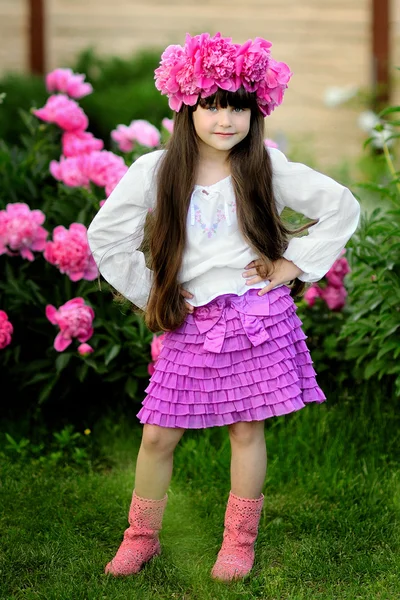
column 62, row 361
column 141, row 372
column 372, row 369
column 112, row 353
column 131, row 387
column 46, row 391
column 389, row 110
column 389, row 346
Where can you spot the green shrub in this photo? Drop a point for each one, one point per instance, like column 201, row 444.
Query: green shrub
column 124, row 91
column 21, row 93
column 373, row 327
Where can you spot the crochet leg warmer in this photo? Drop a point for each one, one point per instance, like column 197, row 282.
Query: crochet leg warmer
column 236, row 556
column 140, row 541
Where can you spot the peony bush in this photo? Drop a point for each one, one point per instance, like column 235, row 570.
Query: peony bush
column 53, row 185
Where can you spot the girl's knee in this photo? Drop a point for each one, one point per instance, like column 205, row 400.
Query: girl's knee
column 160, row 439
column 246, row 432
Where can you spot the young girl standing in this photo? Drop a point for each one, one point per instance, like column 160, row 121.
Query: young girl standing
column 220, row 280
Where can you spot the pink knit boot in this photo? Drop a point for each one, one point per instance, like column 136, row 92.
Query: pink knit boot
column 140, row 541
column 236, row 556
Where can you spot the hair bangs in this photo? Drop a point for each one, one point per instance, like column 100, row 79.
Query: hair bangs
column 223, row 98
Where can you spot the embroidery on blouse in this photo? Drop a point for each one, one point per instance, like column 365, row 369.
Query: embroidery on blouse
column 212, row 229
column 222, row 215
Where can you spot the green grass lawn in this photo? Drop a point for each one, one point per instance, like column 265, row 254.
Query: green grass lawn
column 329, row 529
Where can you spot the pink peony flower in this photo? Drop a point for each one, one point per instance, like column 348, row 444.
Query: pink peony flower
column 21, row 230
column 156, row 346
column 85, row 349
column 172, row 60
column 72, row 171
column 140, row 131
column 102, row 165
column 64, row 112
column 74, row 319
column 70, row 253
column 337, row 272
column 168, row 124
column 312, row 294
column 114, row 178
column 214, row 63
column 80, row 142
column 6, row 330
column 268, row 143
column 251, row 62
column 150, row 368
column 68, row 82
column 122, row 137
column 334, row 297
column 271, row 89
column 155, row 349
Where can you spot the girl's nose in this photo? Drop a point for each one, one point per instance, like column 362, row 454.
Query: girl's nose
column 224, row 118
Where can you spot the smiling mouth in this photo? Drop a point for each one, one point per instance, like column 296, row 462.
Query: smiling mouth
column 225, row 134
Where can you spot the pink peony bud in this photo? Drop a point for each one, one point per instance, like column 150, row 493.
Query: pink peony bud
column 85, row 349
column 74, row 318
column 6, row 330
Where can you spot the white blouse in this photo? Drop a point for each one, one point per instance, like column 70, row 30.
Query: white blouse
column 216, row 252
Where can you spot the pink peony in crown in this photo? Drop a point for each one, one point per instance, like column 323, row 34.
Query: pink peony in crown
column 207, row 63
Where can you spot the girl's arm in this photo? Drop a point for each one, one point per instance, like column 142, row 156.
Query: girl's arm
column 117, row 230
column 316, row 196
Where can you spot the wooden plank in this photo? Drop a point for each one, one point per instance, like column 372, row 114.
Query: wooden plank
column 380, row 53
column 36, row 34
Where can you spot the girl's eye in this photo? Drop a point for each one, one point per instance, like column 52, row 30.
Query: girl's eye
column 212, row 108
column 238, row 109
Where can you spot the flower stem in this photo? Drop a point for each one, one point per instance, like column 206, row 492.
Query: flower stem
column 390, row 164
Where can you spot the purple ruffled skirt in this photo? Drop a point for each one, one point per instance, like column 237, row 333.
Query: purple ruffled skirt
column 238, row 358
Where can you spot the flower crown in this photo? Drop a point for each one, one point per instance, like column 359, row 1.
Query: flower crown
column 207, row 63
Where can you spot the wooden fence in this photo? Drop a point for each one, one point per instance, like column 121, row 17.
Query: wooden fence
column 326, row 43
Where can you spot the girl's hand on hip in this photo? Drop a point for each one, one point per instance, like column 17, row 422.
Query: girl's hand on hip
column 188, row 295
column 283, row 271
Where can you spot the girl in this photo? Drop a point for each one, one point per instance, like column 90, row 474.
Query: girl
column 220, row 279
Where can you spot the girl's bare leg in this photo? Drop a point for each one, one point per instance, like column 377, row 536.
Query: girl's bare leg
column 248, row 458
column 155, row 460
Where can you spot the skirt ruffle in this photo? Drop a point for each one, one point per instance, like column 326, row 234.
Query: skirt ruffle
column 194, row 388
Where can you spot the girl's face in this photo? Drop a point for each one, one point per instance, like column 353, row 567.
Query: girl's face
column 221, row 128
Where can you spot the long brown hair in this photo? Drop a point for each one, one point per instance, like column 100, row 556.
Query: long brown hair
column 259, row 221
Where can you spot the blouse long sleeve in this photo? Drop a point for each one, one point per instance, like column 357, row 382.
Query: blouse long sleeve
column 316, row 196
column 117, row 231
